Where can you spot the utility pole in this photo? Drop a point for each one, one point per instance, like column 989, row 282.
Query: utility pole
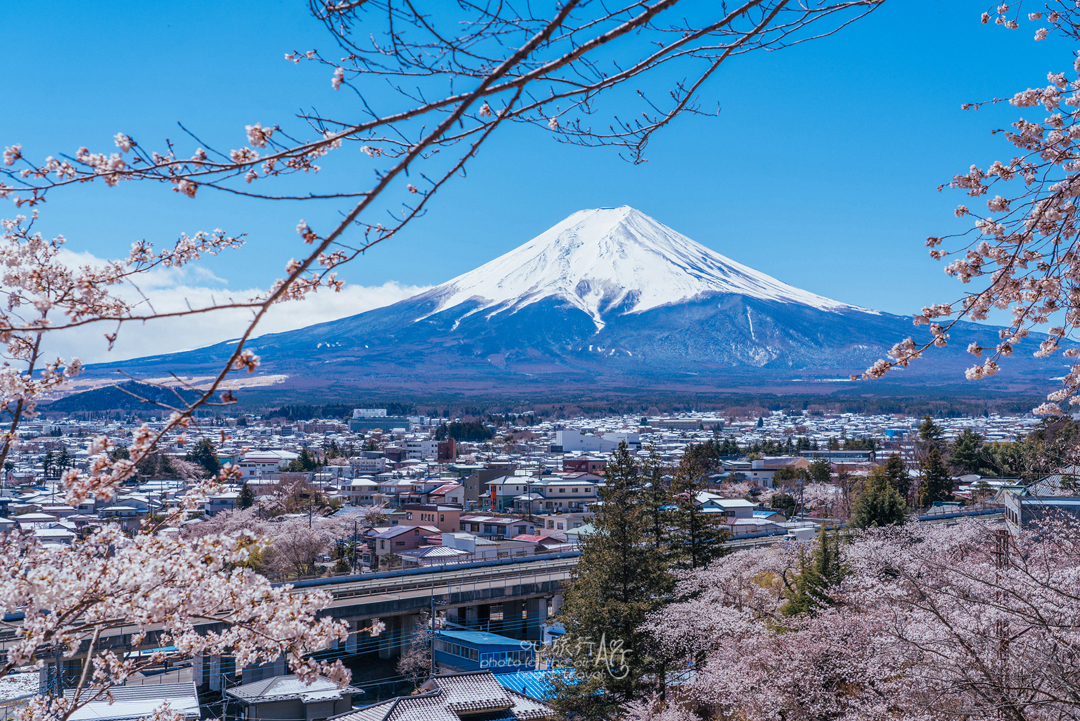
column 432, row 620
column 353, row 546
column 801, row 483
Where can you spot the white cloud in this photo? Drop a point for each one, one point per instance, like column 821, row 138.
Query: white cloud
column 176, row 289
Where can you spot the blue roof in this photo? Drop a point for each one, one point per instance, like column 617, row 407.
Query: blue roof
column 480, row 638
column 534, row 684
column 766, row 514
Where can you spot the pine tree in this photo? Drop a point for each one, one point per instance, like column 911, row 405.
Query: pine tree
column 246, row 499
column 657, row 499
column 820, row 471
column 63, row 462
column 205, row 454
column 897, row 475
column 935, row 484
column 966, row 456
column 880, row 504
column 618, row 581
column 48, row 463
column 817, row 572
column 930, row 432
column 697, row 537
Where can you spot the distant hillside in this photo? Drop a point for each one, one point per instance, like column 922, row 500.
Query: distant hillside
column 112, row 398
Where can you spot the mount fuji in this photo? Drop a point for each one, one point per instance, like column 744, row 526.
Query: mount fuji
column 608, row 298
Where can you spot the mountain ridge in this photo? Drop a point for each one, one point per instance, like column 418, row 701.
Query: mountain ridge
column 605, row 298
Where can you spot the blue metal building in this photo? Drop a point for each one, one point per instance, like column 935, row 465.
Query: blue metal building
column 482, row 651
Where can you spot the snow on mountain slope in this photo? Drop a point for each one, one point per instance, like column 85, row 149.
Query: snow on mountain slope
column 613, row 259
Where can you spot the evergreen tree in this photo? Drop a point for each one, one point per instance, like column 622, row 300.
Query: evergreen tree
column 935, row 484
column 618, row 581
column 205, row 454
column 930, row 432
column 817, row 572
column 306, row 462
column 820, row 471
column 657, row 501
column 246, row 498
column 63, row 462
column 879, row 504
column 966, row 456
column 47, row 464
column 697, row 537
column 897, row 475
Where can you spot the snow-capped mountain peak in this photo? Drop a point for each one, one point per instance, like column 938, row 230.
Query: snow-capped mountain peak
column 608, row 260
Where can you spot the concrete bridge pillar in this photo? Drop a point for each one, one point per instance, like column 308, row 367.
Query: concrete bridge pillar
column 388, row 639
column 407, row 631
column 513, row 624
column 214, row 662
column 350, row 642
column 556, row 604
column 478, row 617
column 535, row 616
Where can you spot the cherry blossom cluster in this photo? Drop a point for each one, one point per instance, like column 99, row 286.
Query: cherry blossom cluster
column 1022, row 253
column 928, row 622
column 77, row 598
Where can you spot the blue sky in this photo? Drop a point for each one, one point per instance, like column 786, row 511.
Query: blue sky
column 820, row 169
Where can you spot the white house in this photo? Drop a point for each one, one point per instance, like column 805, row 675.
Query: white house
column 578, row 441
column 256, row 464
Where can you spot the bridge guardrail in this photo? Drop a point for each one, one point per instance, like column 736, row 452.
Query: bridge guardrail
column 337, row 580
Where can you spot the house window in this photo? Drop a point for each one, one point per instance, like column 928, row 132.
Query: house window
column 562, row 490
column 408, row 516
column 442, row 517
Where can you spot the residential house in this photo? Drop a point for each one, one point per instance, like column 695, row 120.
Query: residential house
column 360, row 492
column 577, row 440
column 475, row 486
column 368, row 464
column 483, row 549
column 456, row 697
column 445, row 518
column 434, row 556
column 560, row 523
column 448, row 494
column 584, row 464
column 218, row 502
column 730, row 507
column 396, row 539
column 496, row 526
column 124, row 703
column 257, row 464
column 287, row 698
